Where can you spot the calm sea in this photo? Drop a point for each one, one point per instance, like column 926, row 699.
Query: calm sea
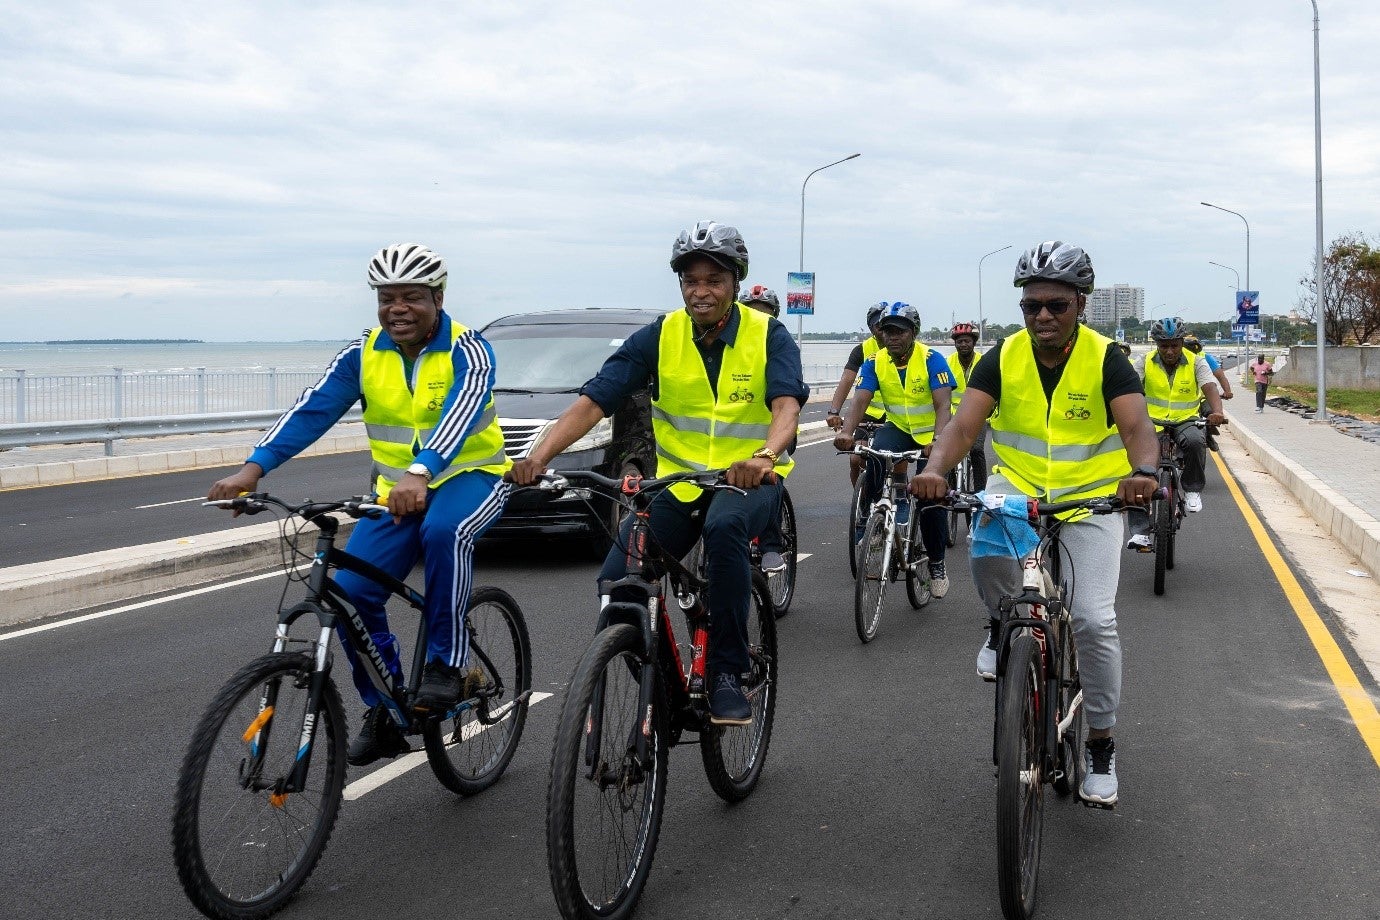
column 817, row 357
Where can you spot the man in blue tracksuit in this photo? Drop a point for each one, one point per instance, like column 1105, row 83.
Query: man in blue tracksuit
column 426, row 383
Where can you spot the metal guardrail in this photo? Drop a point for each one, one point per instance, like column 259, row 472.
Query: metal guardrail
column 111, row 430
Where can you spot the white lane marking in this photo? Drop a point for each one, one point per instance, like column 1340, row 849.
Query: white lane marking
column 277, row 573
column 386, row 774
column 801, row 557
column 180, row 501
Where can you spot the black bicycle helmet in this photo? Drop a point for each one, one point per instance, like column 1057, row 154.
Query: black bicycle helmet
column 901, row 314
column 875, row 312
column 1055, row 261
column 720, row 242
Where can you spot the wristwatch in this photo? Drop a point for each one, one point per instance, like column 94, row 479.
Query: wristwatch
column 832, row 412
column 1146, row 471
column 419, row 469
column 768, row 454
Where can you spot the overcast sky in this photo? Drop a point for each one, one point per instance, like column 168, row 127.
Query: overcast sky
column 224, row 171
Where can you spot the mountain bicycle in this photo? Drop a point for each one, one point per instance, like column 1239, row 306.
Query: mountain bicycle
column 887, row 549
column 1168, row 512
column 781, row 585
column 1039, row 728
column 858, row 506
column 262, row 781
column 638, row 689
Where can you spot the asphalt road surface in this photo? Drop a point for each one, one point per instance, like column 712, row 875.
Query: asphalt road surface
column 1246, row 790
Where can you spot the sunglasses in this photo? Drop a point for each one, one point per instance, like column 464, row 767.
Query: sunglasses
column 1055, row 307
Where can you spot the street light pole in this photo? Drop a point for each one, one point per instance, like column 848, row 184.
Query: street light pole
column 1230, row 269
column 1245, row 344
column 982, row 323
column 1318, row 208
column 800, row 318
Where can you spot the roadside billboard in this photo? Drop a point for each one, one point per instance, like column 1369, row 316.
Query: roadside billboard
column 800, row 293
column 1248, row 308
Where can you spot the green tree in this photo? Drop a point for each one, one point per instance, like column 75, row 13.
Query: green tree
column 1351, row 289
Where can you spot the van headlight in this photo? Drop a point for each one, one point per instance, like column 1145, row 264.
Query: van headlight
column 598, row 437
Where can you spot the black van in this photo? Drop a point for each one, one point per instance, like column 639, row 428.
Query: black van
column 543, row 359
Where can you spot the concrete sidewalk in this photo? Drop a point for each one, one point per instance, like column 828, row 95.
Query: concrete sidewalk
column 1332, row 475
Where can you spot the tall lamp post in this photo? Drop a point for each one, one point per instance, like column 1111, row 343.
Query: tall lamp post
column 1245, row 345
column 800, row 319
column 1230, row 269
column 1318, row 217
column 982, row 323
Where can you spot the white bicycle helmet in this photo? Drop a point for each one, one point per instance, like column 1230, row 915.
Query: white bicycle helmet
column 407, row 263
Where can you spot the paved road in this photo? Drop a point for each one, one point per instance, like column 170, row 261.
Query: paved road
column 1246, row 789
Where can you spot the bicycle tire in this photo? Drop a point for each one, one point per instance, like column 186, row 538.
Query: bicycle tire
column 1069, row 778
column 869, row 586
column 782, row 584
column 469, row 752
column 857, row 517
column 612, row 666
column 733, row 756
column 1163, row 534
column 237, row 706
column 1173, row 541
column 917, row 569
column 1020, row 784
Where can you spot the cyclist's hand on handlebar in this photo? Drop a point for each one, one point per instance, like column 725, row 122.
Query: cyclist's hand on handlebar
column 1216, row 418
column 928, row 486
column 525, row 472
column 246, row 480
column 407, row 497
column 748, row 474
column 1136, row 491
column 843, row 442
column 835, row 422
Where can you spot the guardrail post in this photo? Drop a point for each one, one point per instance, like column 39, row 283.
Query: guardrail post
column 201, row 390
column 19, row 408
column 119, row 399
column 272, row 388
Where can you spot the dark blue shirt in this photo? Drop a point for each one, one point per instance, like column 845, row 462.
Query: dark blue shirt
column 633, row 366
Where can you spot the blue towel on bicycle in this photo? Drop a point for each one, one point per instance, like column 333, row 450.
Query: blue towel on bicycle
column 1003, row 529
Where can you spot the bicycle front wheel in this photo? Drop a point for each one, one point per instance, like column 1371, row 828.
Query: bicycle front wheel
column 1020, row 783
column 1164, row 532
column 782, row 584
column 733, row 756
column 869, row 591
column 243, row 843
column 470, row 751
column 857, row 518
column 604, row 802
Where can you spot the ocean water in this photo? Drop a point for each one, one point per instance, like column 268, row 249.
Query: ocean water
column 36, row 359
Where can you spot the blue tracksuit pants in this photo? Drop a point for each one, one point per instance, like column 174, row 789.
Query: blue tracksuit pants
column 458, row 511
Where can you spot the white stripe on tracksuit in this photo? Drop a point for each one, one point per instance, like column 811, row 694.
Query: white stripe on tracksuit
column 463, row 567
column 473, row 391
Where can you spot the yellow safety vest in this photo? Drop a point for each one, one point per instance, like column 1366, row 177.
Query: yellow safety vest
column 696, row 430
column 960, row 377
column 909, row 406
column 1176, row 400
column 874, row 409
column 1066, row 447
column 399, row 419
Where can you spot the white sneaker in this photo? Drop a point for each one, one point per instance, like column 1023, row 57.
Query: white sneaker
column 1141, row 543
column 987, row 662
column 1193, row 501
column 939, row 581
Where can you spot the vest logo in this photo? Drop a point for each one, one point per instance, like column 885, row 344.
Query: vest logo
column 741, row 394
column 1077, row 411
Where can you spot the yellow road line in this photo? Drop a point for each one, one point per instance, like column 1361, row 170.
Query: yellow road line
column 1354, row 696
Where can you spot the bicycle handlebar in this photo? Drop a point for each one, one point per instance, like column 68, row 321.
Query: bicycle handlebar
column 1035, row 509
column 631, row 486
column 911, row 456
column 253, row 502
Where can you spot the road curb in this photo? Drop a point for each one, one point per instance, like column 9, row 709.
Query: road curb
column 1350, row 525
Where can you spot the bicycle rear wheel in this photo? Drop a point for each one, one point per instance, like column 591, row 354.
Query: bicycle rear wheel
column 470, row 751
column 1164, row 533
column 243, row 846
column 1020, row 783
column 857, row 518
column 733, row 756
column 782, row 584
column 604, row 805
column 869, row 590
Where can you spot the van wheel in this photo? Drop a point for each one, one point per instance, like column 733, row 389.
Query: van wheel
column 611, row 516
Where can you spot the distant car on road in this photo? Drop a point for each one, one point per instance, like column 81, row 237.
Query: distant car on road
column 543, row 359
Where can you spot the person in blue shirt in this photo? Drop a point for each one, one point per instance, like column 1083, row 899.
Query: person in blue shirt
column 426, row 383
column 915, row 383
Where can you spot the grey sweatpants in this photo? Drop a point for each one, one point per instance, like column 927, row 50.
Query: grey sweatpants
column 1091, row 563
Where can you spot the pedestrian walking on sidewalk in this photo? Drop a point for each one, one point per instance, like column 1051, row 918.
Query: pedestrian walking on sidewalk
column 1263, row 371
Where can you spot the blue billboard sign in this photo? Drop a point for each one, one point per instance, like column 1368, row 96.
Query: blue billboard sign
column 1248, row 308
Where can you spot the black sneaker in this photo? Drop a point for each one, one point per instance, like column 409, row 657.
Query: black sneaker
column 728, row 705
column 440, row 688
column 378, row 737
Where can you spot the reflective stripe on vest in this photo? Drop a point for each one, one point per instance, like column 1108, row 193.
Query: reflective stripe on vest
column 1176, row 400
column 693, row 429
column 399, row 419
column 909, row 406
column 960, row 377
column 1065, row 447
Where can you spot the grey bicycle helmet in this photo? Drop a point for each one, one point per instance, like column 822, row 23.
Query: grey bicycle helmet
column 901, row 314
column 1171, row 327
column 407, row 263
column 875, row 312
column 760, row 293
column 1055, row 261
column 720, row 242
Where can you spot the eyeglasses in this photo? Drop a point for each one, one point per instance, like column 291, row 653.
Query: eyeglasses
column 1055, row 307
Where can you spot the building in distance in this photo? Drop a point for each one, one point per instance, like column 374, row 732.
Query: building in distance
column 1108, row 306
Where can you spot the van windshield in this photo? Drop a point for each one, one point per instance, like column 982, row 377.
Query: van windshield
column 551, row 359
